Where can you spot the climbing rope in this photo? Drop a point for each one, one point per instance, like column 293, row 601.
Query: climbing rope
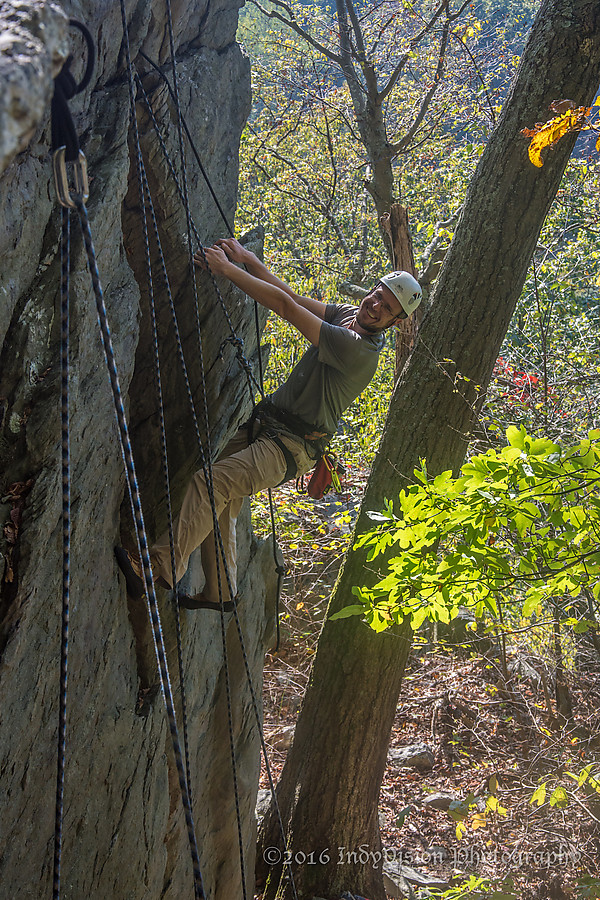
column 204, row 466
column 244, row 362
column 65, row 143
column 234, row 340
column 144, row 192
column 137, row 511
column 141, row 535
column 207, row 466
column 167, row 481
column 66, row 547
column 280, row 569
column 193, row 148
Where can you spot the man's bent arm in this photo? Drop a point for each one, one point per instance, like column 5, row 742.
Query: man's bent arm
column 266, row 293
column 238, row 253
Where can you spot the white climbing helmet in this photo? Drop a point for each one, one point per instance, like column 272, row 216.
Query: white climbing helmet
column 405, row 289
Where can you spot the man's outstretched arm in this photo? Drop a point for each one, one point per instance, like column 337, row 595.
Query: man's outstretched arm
column 268, row 294
column 239, row 254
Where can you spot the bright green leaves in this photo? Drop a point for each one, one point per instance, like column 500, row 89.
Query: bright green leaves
column 521, row 522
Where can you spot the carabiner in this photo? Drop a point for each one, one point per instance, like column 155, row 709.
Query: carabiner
column 61, row 180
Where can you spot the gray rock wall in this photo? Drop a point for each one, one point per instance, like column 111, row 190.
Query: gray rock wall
column 124, row 832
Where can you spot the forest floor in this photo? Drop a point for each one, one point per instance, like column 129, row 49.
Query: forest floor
column 494, row 742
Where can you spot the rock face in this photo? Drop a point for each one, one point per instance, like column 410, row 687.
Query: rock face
column 124, row 834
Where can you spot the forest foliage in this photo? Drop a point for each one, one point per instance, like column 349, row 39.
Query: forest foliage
column 302, row 177
column 514, row 537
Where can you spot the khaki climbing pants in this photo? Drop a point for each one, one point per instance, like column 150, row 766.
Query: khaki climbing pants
column 241, row 470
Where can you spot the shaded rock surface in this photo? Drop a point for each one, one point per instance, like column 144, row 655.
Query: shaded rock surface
column 124, row 833
column 440, row 800
column 417, row 756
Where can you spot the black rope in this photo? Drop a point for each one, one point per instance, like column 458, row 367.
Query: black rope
column 244, row 361
column 184, row 775
column 64, row 133
column 162, row 75
column 66, row 551
column 141, row 536
column 281, row 570
column 216, row 531
column 165, row 465
column 144, row 191
column 208, row 478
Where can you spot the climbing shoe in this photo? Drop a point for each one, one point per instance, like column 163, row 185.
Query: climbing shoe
column 135, row 585
column 199, row 601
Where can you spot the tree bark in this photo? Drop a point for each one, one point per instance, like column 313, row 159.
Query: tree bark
column 396, row 224
column 329, row 787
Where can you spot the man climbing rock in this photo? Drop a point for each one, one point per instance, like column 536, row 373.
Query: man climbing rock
column 287, row 432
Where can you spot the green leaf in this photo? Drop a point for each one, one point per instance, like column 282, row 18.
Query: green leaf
column 516, row 436
column 559, row 798
column 418, row 617
column 347, row 611
column 531, row 601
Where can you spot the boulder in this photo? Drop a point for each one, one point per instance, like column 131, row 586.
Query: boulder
column 416, row 756
column 440, row 800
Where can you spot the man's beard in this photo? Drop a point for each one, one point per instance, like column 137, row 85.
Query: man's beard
column 371, row 329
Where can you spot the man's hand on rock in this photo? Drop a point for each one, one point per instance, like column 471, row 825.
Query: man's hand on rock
column 212, row 258
column 234, row 250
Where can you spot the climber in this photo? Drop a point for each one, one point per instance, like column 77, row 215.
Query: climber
column 287, row 432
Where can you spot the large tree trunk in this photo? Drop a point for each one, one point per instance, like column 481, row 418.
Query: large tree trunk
column 329, row 787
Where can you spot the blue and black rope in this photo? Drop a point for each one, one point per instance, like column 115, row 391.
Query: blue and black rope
column 142, row 539
column 216, row 530
column 220, row 551
column 66, row 547
column 145, row 198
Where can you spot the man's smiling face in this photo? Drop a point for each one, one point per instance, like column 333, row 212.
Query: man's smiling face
column 379, row 310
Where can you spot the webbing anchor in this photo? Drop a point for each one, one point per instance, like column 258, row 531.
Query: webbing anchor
column 61, row 180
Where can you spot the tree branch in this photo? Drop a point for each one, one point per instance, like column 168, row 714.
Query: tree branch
column 292, row 23
column 412, row 44
column 401, row 145
column 311, row 195
column 347, row 63
column 361, row 53
column 479, row 75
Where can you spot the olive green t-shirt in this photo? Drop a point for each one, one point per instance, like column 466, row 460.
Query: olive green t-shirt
column 329, row 377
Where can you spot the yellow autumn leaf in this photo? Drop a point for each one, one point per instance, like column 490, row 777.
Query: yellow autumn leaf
column 551, row 132
column 478, row 821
